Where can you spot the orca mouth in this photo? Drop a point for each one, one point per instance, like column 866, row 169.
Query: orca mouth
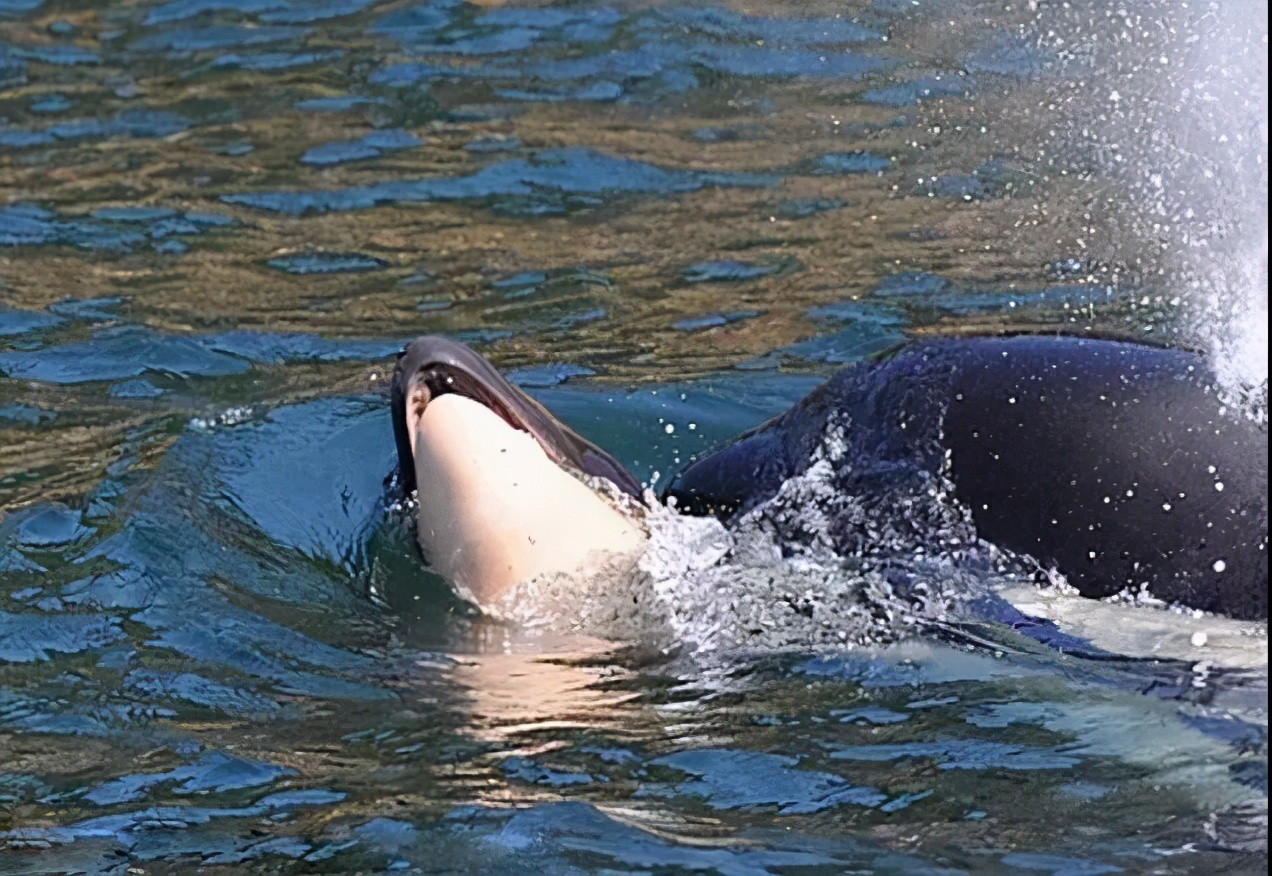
column 434, row 366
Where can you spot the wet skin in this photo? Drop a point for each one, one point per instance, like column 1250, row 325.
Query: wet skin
column 503, row 489
column 1114, row 462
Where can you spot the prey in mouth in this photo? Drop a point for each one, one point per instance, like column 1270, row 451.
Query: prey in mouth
column 506, row 491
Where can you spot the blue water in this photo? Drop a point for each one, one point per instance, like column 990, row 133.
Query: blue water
column 222, row 218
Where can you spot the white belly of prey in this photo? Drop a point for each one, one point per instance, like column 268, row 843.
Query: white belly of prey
column 494, row 510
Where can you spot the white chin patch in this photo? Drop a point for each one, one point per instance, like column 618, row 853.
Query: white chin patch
column 494, row 510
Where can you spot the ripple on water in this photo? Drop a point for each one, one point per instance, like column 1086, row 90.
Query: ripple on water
column 135, row 389
column 319, row 10
column 21, row 322
column 1058, row 865
column 327, row 263
column 216, row 37
column 729, row 779
column 167, row 553
column 31, row 638
column 525, row 770
column 179, row 10
column 803, row 208
column 861, row 338
column 197, row 690
column 872, row 715
column 112, row 229
column 276, row 60
column 88, row 309
column 57, row 55
column 924, row 88
column 547, row 375
column 962, row 754
column 51, row 105
column 119, row 352
column 48, row 526
column 25, row 415
column 138, row 123
column 671, row 46
column 340, row 104
column 713, row 320
column 267, row 348
column 212, row 771
column 370, row 146
column 543, row 180
column 726, row 271
column 850, row 162
column 334, row 487
column 515, row 839
column 487, row 145
column 309, row 797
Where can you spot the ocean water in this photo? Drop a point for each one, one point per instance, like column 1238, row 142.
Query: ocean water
column 219, row 651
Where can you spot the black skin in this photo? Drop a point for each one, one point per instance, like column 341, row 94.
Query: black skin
column 1066, row 449
column 431, row 366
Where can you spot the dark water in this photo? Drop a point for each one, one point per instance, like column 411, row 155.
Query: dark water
column 223, row 217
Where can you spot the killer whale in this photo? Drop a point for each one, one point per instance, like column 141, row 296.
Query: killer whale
column 1117, row 463
column 506, row 491
column 1114, row 462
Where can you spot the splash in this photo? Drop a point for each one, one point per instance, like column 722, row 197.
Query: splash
column 818, row 568
column 1160, row 112
column 1238, row 337
column 1221, row 123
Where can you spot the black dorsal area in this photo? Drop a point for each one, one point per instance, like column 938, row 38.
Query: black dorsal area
column 1118, row 463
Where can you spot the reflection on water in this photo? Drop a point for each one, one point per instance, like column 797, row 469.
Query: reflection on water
column 668, row 222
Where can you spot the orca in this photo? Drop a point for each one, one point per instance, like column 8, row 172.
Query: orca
column 1116, row 463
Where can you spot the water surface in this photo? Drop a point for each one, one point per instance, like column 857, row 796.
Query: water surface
column 669, row 222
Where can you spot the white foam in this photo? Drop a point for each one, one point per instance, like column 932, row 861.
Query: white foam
column 1147, row 629
column 775, row 581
